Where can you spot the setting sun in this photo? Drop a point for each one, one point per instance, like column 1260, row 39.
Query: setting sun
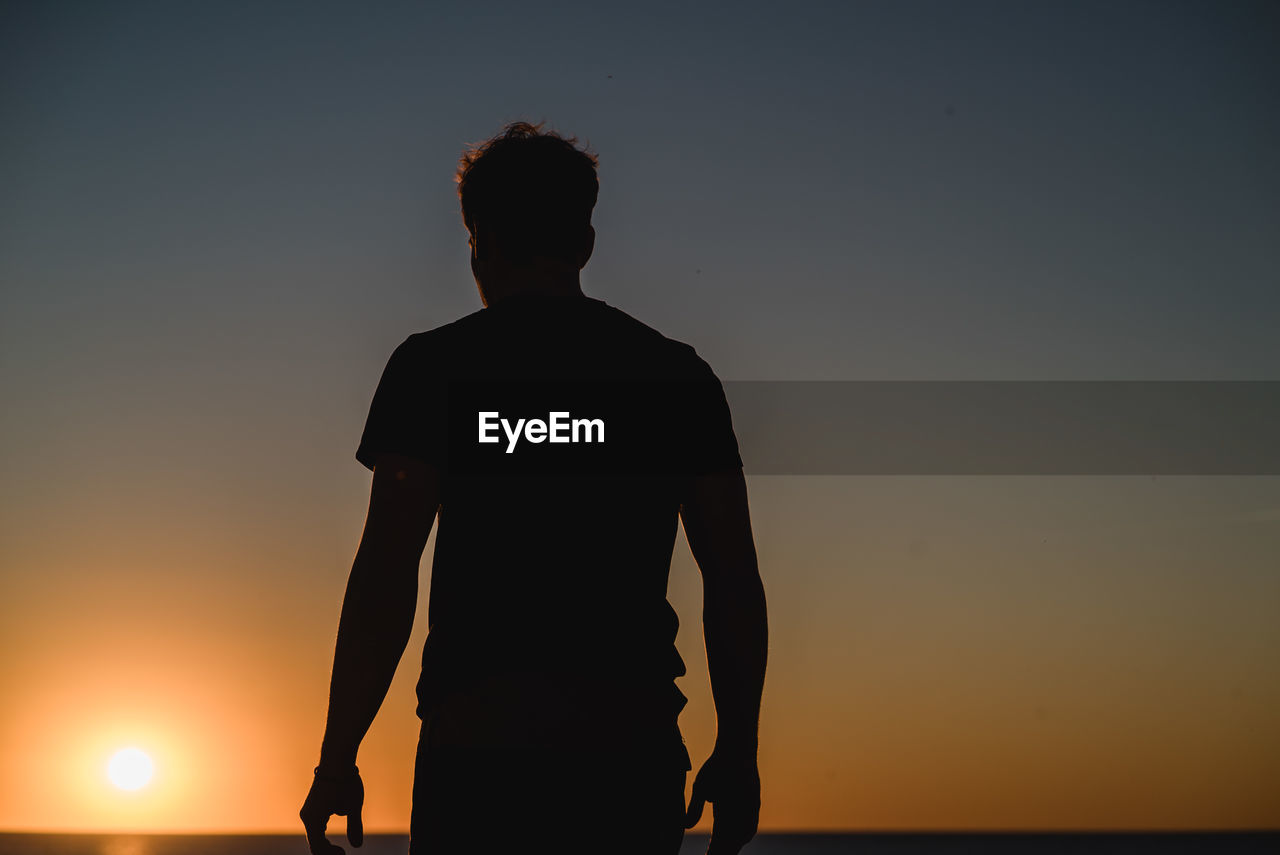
column 130, row 768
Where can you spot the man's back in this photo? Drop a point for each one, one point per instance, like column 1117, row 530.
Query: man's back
column 560, row 568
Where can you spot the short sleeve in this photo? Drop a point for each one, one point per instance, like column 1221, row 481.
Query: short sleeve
column 399, row 420
column 712, row 445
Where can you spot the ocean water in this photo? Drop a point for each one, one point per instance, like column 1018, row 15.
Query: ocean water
column 1216, row 843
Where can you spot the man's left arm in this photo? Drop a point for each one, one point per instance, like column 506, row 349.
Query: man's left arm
column 377, row 619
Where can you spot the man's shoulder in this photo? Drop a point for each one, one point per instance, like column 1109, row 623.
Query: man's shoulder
column 442, row 336
column 451, row 328
column 679, row 356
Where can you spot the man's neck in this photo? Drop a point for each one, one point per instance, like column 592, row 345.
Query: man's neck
column 531, row 283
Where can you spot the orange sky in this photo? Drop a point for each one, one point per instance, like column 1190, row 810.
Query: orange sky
column 946, row 653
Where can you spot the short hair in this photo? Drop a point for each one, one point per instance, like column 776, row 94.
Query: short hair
column 535, row 189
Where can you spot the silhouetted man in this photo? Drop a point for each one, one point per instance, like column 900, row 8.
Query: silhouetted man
column 558, row 440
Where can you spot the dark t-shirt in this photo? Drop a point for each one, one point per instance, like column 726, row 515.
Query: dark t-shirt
column 553, row 557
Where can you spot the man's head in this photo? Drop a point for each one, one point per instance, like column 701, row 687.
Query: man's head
column 527, row 197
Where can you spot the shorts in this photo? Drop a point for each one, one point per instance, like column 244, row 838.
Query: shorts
column 524, row 763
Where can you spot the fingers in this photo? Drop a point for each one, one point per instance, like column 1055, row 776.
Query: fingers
column 735, row 800
column 694, row 814
column 720, row 845
column 697, row 801
column 732, row 829
column 315, row 825
column 355, row 827
column 325, row 800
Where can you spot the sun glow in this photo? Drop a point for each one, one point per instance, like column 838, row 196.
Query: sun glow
column 130, row 768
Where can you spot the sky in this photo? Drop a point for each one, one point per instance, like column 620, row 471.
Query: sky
column 218, row 220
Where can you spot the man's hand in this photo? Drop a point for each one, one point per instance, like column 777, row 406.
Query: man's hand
column 735, row 625
column 732, row 785
column 341, row 795
column 377, row 619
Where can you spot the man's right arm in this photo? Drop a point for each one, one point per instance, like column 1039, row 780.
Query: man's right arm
column 717, row 522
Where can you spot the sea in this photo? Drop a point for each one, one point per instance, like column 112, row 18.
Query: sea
column 890, row 843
